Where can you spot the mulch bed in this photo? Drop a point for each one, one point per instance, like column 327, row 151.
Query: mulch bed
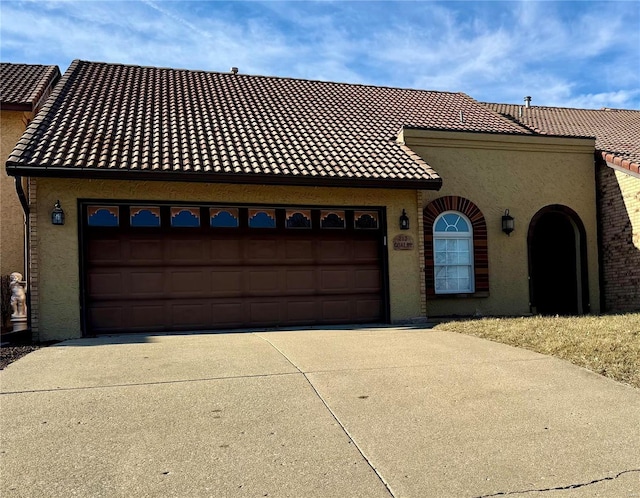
column 11, row 353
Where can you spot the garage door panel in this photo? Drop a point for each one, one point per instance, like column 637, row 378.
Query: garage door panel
column 333, row 251
column 227, row 314
column 225, row 282
column 367, row 279
column 365, row 250
column 146, row 316
column 145, row 284
column 185, row 315
column 106, row 284
column 302, row 311
column 261, row 251
column 301, row 280
column 186, row 251
column 336, row 310
column 265, row 312
column 299, row 251
column 225, row 251
column 107, row 318
column 146, row 250
column 333, row 280
column 367, row 309
column 262, row 282
column 107, row 251
column 193, row 282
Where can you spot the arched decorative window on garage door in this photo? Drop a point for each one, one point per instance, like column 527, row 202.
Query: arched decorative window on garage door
column 455, row 232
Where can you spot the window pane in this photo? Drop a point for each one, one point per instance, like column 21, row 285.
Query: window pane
column 103, row 216
column 224, row 217
column 441, row 258
column 441, row 225
column 441, row 272
column 298, row 219
column 145, row 217
column 462, row 225
column 365, row 219
column 262, row 218
column 440, row 245
column 462, row 245
column 332, row 219
column 451, row 222
column 185, row 217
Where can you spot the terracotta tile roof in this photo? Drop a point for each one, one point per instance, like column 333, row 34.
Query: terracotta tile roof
column 23, row 86
column 617, row 131
column 142, row 122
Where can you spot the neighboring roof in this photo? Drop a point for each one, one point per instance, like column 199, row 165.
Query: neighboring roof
column 111, row 120
column 24, row 86
column 617, row 131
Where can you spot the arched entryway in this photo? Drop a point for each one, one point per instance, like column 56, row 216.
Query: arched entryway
column 558, row 262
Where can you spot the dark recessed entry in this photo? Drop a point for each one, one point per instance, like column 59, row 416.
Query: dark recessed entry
column 557, row 262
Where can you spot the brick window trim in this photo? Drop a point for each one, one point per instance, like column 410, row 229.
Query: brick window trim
column 480, row 252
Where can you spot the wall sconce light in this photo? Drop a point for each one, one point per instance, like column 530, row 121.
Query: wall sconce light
column 57, row 215
column 508, row 223
column 404, row 221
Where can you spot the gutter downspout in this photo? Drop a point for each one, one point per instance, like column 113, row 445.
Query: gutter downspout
column 25, row 208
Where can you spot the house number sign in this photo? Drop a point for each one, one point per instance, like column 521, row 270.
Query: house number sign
column 402, row 243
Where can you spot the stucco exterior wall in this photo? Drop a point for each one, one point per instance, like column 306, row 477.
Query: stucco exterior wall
column 498, row 173
column 12, row 125
column 619, row 199
column 58, row 275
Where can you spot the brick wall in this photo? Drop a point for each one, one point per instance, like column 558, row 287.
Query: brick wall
column 619, row 206
column 423, row 285
column 34, row 284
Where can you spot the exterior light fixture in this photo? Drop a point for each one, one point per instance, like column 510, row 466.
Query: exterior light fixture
column 57, row 215
column 404, row 221
column 508, row 223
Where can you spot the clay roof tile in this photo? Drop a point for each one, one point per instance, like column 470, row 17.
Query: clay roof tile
column 233, row 127
column 617, row 131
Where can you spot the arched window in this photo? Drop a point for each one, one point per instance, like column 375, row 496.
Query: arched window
column 451, row 222
column 453, row 254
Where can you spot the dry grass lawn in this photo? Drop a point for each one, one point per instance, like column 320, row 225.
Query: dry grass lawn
column 608, row 344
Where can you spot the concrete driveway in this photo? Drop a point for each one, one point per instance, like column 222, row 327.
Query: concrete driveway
column 370, row 412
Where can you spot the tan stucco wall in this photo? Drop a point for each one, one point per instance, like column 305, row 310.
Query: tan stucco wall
column 522, row 175
column 12, row 125
column 58, row 266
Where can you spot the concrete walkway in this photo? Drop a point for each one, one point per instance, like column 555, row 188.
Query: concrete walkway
column 371, row 412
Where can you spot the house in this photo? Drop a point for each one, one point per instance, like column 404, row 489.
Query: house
column 197, row 200
column 617, row 158
column 23, row 90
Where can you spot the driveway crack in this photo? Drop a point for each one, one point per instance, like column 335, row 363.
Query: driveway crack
column 561, row 488
column 335, row 417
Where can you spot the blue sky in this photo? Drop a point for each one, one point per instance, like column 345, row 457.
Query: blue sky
column 572, row 53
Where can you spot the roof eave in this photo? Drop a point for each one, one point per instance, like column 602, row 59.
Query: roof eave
column 620, row 162
column 16, row 106
column 40, row 171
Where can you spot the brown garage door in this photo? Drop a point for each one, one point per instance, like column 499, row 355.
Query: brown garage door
column 178, row 278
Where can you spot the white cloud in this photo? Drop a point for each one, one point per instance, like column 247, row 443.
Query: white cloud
column 619, row 100
column 560, row 53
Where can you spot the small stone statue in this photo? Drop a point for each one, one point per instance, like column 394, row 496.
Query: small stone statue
column 18, row 295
